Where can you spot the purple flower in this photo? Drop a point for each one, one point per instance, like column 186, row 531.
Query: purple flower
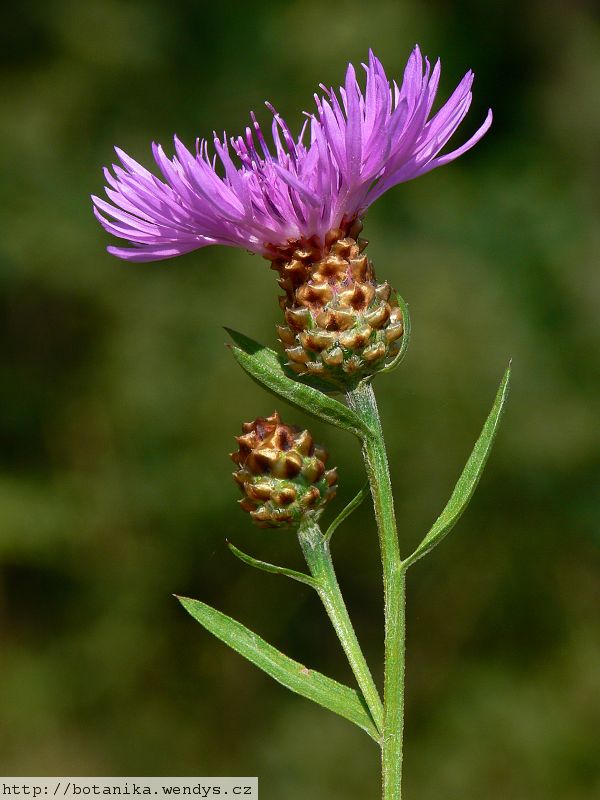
column 351, row 150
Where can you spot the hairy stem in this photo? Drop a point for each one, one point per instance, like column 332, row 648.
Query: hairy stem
column 362, row 401
column 318, row 557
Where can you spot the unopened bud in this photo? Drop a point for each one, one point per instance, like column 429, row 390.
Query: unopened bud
column 281, row 472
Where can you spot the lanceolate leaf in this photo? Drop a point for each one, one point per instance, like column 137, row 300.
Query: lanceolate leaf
column 463, row 491
column 345, row 512
column 405, row 337
column 263, row 366
column 328, row 693
column 273, row 568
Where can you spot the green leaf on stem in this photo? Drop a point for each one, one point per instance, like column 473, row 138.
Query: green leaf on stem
column 301, row 577
column 265, row 367
column 309, row 683
column 345, row 512
column 405, row 337
column 463, row 491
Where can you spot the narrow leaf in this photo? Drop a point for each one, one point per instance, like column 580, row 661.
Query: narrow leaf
column 264, row 366
column 301, row 577
column 345, row 512
column 463, row 491
column 309, row 683
column 405, row 337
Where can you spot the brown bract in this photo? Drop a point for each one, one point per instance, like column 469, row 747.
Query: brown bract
column 281, row 472
column 340, row 324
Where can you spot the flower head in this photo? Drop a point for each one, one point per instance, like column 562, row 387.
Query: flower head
column 352, row 148
column 340, row 324
column 281, row 472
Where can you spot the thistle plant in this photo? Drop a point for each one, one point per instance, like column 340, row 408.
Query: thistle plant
column 300, row 202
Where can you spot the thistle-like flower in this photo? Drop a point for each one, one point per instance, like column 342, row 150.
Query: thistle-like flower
column 281, row 472
column 299, row 204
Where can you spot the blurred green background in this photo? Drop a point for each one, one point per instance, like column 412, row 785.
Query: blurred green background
column 120, row 401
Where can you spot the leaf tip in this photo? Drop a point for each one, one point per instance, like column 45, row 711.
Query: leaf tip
column 185, row 601
column 507, row 375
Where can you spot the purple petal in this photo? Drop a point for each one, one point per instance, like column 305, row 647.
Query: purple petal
column 361, row 144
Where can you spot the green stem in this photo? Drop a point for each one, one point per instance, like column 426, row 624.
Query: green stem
column 362, row 401
column 318, row 557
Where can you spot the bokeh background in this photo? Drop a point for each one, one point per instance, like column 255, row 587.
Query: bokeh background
column 120, row 401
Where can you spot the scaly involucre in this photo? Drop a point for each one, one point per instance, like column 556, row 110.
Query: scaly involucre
column 359, row 145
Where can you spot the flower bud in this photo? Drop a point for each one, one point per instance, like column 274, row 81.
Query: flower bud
column 341, row 325
column 281, row 472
